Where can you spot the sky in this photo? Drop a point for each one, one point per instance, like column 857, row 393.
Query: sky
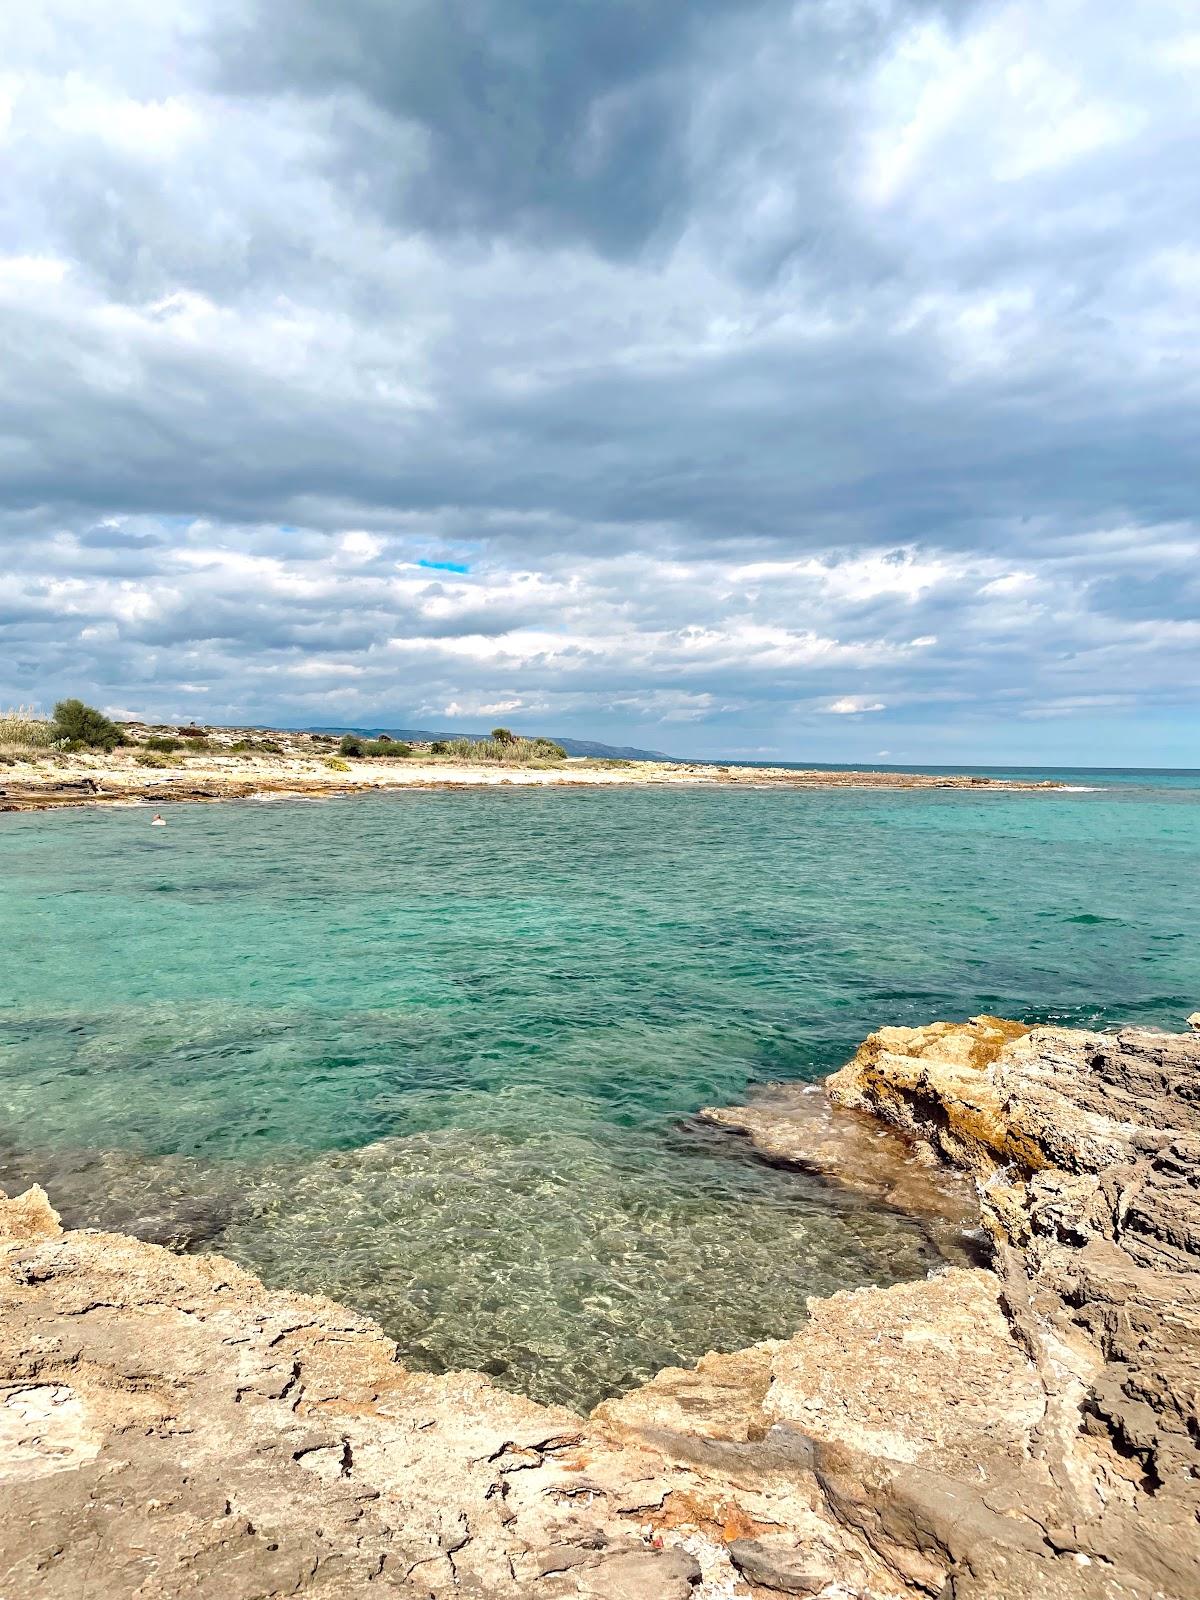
column 810, row 380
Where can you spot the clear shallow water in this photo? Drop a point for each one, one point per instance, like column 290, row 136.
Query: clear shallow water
column 435, row 1054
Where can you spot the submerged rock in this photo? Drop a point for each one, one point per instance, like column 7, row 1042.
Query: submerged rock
column 175, row 1201
column 169, row 1427
column 797, row 1125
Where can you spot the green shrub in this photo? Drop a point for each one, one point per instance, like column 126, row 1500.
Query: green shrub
column 386, row 747
column 354, row 744
column 153, row 758
column 80, row 727
column 163, row 742
column 245, row 747
column 439, row 747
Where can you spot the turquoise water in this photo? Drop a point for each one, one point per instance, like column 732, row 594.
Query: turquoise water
column 436, row 1054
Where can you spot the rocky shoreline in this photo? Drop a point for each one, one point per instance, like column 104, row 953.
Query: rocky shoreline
column 233, row 765
column 170, row 1427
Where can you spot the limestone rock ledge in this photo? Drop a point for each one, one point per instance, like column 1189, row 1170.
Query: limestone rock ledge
column 1085, row 1148
column 1047, row 1442
column 170, row 1427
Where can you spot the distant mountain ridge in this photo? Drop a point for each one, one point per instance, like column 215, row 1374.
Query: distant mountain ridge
column 573, row 747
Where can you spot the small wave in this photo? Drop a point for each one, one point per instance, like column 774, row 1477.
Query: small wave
column 269, row 797
column 1080, row 788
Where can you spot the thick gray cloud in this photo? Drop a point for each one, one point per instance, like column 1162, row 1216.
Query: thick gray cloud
column 522, row 117
column 815, row 376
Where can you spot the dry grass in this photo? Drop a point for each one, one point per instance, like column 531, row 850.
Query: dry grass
column 23, row 728
column 514, row 752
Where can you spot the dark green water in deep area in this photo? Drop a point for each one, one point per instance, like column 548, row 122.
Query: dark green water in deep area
column 434, row 1053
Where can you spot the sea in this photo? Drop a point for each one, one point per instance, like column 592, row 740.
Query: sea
column 439, row 1054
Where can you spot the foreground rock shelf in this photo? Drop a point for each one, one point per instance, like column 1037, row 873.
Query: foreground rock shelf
column 170, row 1427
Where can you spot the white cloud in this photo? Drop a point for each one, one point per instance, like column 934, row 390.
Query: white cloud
column 32, row 270
column 1011, row 583
column 359, row 546
column 147, row 129
column 853, row 705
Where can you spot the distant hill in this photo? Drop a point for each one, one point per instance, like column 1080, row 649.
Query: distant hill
column 573, row 747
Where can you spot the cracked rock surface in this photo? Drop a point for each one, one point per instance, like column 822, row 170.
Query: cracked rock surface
column 169, row 1427
column 1085, row 1148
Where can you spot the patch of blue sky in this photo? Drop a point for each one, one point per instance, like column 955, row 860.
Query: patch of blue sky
column 444, row 566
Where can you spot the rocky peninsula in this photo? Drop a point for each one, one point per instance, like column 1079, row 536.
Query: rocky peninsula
column 241, row 763
column 169, row 1427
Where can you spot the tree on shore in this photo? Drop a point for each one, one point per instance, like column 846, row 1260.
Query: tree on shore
column 82, row 726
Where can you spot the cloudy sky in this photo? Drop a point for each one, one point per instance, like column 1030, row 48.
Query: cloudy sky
column 812, row 379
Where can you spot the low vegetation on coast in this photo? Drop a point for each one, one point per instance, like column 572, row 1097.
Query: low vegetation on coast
column 501, row 745
column 75, row 727
column 80, row 756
